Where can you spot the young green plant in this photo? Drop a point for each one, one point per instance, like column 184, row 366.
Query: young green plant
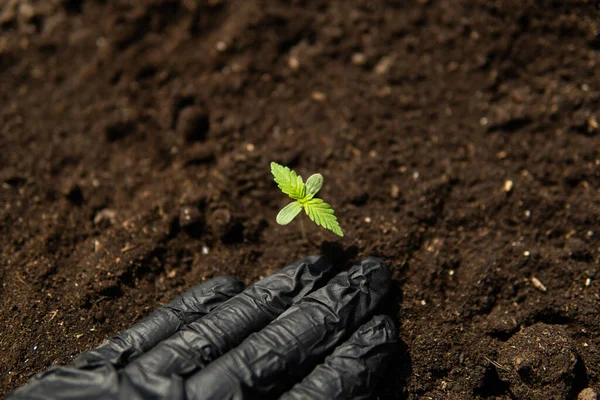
column 304, row 198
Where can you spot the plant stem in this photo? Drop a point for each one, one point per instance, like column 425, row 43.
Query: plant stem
column 303, row 230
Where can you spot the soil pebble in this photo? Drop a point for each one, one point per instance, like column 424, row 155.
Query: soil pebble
column 193, row 124
column 191, row 221
column 200, row 153
column 119, row 127
column 105, row 218
column 577, row 249
column 587, row 394
column 11, row 177
column 586, row 122
column 74, row 194
column 502, row 323
column 538, row 363
column 226, row 227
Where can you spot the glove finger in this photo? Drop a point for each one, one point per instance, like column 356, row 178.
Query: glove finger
column 202, row 341
column 354, row 368
column 70, row 383
column 282, row 353
column 161, row 324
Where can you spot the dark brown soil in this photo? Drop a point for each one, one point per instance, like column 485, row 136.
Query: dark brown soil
column 459, row 140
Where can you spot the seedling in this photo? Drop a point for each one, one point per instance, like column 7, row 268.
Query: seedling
column 304, row 194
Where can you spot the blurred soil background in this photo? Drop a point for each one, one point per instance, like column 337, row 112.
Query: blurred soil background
column 459, row 140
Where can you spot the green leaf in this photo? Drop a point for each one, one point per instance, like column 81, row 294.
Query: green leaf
column 313, row 184
column 321, row 214
column 288, row 213
column 288, row 181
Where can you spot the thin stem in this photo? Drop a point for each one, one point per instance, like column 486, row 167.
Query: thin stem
column 303, row 230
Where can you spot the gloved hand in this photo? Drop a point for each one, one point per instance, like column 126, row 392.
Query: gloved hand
column 292, row 334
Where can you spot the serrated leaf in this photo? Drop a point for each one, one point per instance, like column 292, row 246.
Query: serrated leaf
column 322, row 214
column 288, row 213
column 288, row 181
column 313, row 184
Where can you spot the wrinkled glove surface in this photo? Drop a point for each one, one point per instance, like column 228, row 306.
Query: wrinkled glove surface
column 296, row 334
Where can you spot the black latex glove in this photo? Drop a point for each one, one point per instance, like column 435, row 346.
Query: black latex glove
column 292, row 334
